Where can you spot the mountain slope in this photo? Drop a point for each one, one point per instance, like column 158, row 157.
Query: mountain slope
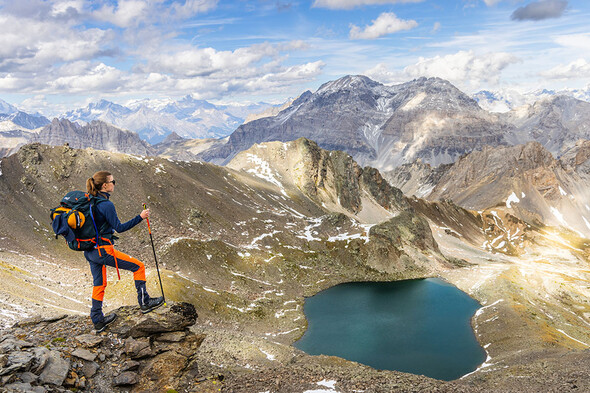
column 526, row 180
column 247, row 244
column 557, row 123
column 96, row 134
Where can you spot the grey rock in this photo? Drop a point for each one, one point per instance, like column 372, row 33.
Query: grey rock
column 28, row 377
column 41, row 359
column 56, row 370
column 130, row 365
column 89, row 340
column 3, row 360
column 172, row 337
column 10, row 369
column 174, row 317
column 138, row 349
column 84, row 354
column 126, row 378
column 89, row 369
column 39, row 319
column 20, row 357
column 18, row 387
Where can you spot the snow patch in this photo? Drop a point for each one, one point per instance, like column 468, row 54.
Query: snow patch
column 561, row 191
column 264, row 172
column 558, row 215
column 512, row 199
column 330, row 384
column 567, row 335
column 268, row 355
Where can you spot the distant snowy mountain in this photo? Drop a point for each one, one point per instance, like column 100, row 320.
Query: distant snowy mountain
column 11, row 118
column 504, row 100
column 154, row 120
column 6, row 108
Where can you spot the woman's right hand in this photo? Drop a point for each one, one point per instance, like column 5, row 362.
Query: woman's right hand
column 145, row 214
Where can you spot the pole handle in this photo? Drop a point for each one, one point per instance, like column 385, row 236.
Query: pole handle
column 147, row 219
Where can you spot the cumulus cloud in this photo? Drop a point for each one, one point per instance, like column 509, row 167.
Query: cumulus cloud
column 576, row 69
column 463, row 66
column 539, row 10
column 43, row 43
column 464, row 69
column 62, row 50
column 386, row 23
column 381, row 73
column 100, row 77
column 350, row 4
column 490, row 3
column 125, row 13
column 193, row 62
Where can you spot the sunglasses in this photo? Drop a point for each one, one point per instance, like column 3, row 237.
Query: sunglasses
column 111, row 182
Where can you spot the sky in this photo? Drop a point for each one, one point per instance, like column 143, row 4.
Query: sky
column 58, row 55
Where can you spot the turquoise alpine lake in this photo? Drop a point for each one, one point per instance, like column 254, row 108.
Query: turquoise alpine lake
column 415, row 326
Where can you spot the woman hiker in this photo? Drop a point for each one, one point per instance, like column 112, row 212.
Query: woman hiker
column 101, row 185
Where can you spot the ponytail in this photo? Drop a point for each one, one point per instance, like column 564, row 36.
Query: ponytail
column 94, row 183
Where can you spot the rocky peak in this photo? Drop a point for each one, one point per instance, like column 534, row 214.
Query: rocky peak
column 151, row 352
column 349, row 82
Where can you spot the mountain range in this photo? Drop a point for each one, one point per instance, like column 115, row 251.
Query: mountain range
column 427, row 119
column 153, row 120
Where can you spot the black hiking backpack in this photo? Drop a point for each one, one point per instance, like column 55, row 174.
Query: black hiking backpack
column 74, row 220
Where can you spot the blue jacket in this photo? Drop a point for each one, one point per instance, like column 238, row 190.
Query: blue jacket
column 107, row 220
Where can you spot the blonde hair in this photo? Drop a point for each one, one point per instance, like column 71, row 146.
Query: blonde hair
column 94, row 183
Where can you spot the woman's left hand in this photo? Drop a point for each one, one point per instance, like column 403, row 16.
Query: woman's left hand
column 145, row 214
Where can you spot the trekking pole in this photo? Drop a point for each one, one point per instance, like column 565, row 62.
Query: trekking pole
column 154, row 249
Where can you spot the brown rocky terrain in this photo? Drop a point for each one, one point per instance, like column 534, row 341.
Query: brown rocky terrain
column 245, row 244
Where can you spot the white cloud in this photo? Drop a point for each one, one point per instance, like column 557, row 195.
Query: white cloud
column 575, row 70
column 464, row 69
column 94, row 78
column 44, row 43
column 126, row 13
column 349, row 4
column 463, row 66
column 436, row 27
column 386, row 23
column 490, row 3
column 195, row 62
column 193, row 7
column 539, row 10
column 576, row 41
column 382, row 74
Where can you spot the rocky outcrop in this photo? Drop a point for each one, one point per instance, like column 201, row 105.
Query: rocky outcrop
column 152, row 352
column 96, row 134
column 329, row 178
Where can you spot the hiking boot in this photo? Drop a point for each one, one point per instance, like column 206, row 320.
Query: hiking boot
column 101, row 326
column 152, row 304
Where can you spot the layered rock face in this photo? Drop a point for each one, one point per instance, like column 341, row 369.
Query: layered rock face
column 96, row 134
column 526, row 179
